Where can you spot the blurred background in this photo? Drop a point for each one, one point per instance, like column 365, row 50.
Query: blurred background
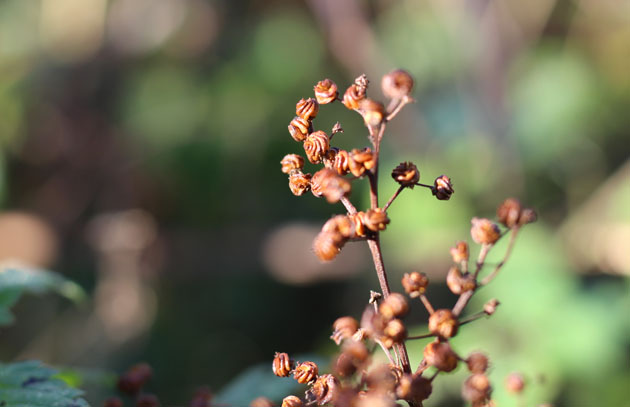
column 140, row 143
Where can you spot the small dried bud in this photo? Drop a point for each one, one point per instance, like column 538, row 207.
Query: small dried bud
column 528, row 215
column 353, row 96
column 338, row 160
column 316, row 146
column 337, row 128
column 113, row 402
column 491, row 306
column 307, row 108
column 132, row 381
column 484, row 231
column 477, row 362
column 261, row 402
column 292, row 162
column 305, row 372
column 415, row 284
column 406, row 174
column 326, row 182
column 373, row 112
column 344, row 328
column 326, row 91
column 514, row 382
column 361, row 161
column 509, row 212
column 375, row 219
column 440, row 355
column 442, row 188
column 362, row 82
column 147, row 400
column 443, row 323
column 476, row 389
column 397, row 84
column 324, row 390
column 341, row 224
column 394, row 306
column 414, row 388
column 202, row 398
column 460, row 252
column 299, row 182
column 394, row 332
column 282, row 365
column 292, row 401
column 459, row 283
column 383, row 378
column 359, row 227
column 375, row 297
column 327, row 245
column 299, row 128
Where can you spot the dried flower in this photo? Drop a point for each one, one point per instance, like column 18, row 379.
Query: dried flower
column 360, row 161
column 326, row 91
column 373, row 112
column 442, row 188
column 326, row 182
column 459, row 283
column 491, row 306
column 324, row 390
column 305, row 372
column 397, row 84
column 383, row 378
column 514, row 382
column 282, row 365
column 460, row 252
column 316, row 146
column 261, row 402
column 415, row 284
column 328, row 245
column 441, row 356
column 299, row 128
column 307, row 108
column 477, row 362
column 341, row 224
column 341, row 161
column 394, row 306
column 443, row 323
column 414, row 388
column 344, row 328
column 394, row 332
column 528, row 215
column 299, row 182
column 406, row 174
column 484, row 231
column 292, row 401
column 476, row 389
column 359, row 227
column 375, row 219
column 509, row 212
column 292, row 162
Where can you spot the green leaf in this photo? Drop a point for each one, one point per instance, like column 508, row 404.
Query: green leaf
column 31, row 384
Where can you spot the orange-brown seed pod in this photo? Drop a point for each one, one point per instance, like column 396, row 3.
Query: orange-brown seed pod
column 282, row 365
column 460, row 252
column 484, row 231
column 394, row 332
column 406, row 174
column 261, row 402
column 343, row 365
column 307, row 108
column 443, row 323
column 443, row 188
column 414, row 388
column 341, row 162
column 291, row 162
column 299, row 182
column 394, row 306
column 509, row 212
column 316, row 146
column 459, row 283
column 323, row 390
column 326, row 182
column 490, row 307
column 415, row 284
column 344, row 328
column 357, row 351
column 328, row 245
column 528, row 215
column 383, row 378
column 476, row 389
column 397, row 84
column 373, row 112
column 514, row 382
column 299, row 128
column 326, row 91
column 305, row 372
column 441, row 356
column 359, row 227
column 361, row 160
column 477, row 362
column 375, row 219
column 292, row 401
column 353, row 96
column 341, row 224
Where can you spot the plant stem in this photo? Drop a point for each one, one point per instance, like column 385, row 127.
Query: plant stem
column 496, row 270
column 349, row 207
column 398, row 191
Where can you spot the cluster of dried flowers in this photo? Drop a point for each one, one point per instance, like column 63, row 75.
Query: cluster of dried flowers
column 355, row 380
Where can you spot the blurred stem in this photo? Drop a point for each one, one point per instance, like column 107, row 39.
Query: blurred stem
column 349, row 207
column 429, row 335
column 398, row 191
column 463, row 299
column 405, row 100
column 472, row 317
column 508, row 252
column 427, row 304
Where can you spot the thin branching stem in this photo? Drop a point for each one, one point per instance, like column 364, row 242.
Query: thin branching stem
column 391, row 200
column 429, row 335
column 427, row 303
column 508, row 252
column 349, row 206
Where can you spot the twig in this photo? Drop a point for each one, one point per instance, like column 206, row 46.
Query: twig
column 349, row 207
column 406, row 100
column 472, row 318
column 398, row 191
column 496, row 270
column 426, row 303
column 429, row 335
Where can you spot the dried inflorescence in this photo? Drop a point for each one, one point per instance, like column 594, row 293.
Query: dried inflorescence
column 282, row 365
column 406, row 174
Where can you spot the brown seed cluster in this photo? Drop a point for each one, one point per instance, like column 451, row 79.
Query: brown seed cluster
column 415, row 283
column 406, row 174
column 511, row 214
column 442, row 188
column 282, row 365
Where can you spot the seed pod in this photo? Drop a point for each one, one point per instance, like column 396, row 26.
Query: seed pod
column 328, row 245
column 415, row 283
column 459, row 283
column 292, row 162
column 484, row 231
column 305, row 372
column 316, row 146
column 442, row 188
column 299, row 182
column 352, row 97
column 326, row 182
column 292, row 401
column 341, row 162
column 132, row 381
column 375, row 219
column 372, row 323
column 261, row 402
column 359, row 227
column 394, row 306
column 374, row 399
column 460, row 252
column 476, row 389
column 414, row 388
column 397, row 84
column 282, row 365
column 307, row 108
column 491, row 306
column 357, row 351
column 441, row 356
column 113, row 402
column 509, row 212
column 299, row 128
column 406, row 174
column 147, row 400
column 344, row 328
column 361, row 161
column 477, row 362
column 373, row 112
column 324, row 390
column 326, row 91
column 515, row 383
column 383, row 378
column 443, row 323
column 394, row 332
column 341, row 224
column 528, row 215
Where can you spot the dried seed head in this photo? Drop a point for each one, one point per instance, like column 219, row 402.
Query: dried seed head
column 414, row 388
column 373, row 112
column 344, row 328
column 316, row 146
column 459, row 283
column 353, row 96
column 299, row 182
column 341, row 162
column 484, row 231
column 406, row 174
column 340, row 224
column 460, row 252
column 443, row 323
column 362, row 82
column 292, row 162
column 415, row 284
column 305, row 372
column 477, row 362
column 326, row 91
column 514, row 382
column 337, row 128
column 372, row 323
column 299, row 128
column 509, row 212
column 476, row 389
column 359, row 227
column 491, row 306
column 201, row 398
column 326, row 182
column 383, row 378
column 360, row 161
column 354, row 356
column 394, row 306
column 394, row 332
column 147, row 400
column 375, row 219
column 442, row 188
column 261, row 402
column 328, row 245
column 307, row 108
column 397, row 84
column 113, row 402
column 528, row 215
column 292, row 401
column 282, row 365
column 441, row 356
column 323, row 390
column 132, row 381
column 343, row 365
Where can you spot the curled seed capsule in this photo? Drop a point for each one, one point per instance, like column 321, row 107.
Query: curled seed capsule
column 361, row 161
column 328, row 245
column 383, row 378
column 291, row 162
column 491, row 306
column 484, row 231
column 261, row 402
column 341, row 162
column 373, row 112
column 415, row 283
column 443, row 323
column 515, row 383
column 394, row 332
column 340, row 224
column 476, row 389
column 326, row 182
column 459, row 283
column 441, row 356
column 406, row 174
column 305, row 372
column 477, row 362
column 307, row 108
column 292, row 401
column 355, row 93
column 394, row 306
column 359, row 227
column 509, row 212
column 324, row 390
column 443, row 188
column 326, row 91
column 316, row 146
column 397, row 84
column 282, row 365
column 344, row 328
column 299, row 182
column 299, row 128
column 414, row 388
column 375, row 219
column 460, row 252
